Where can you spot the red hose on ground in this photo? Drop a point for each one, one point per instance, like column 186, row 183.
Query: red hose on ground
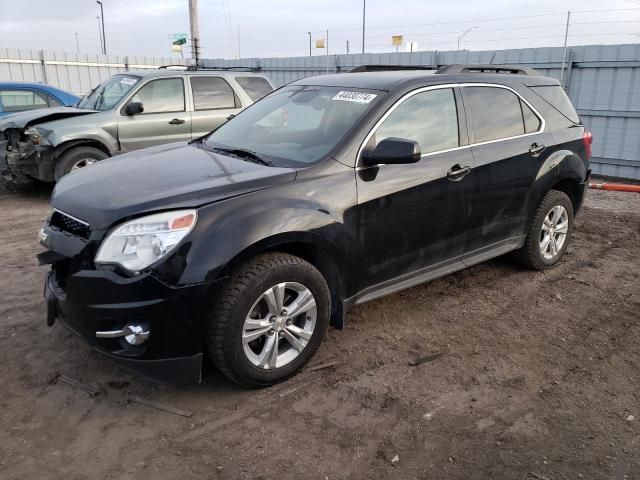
column 618, row 187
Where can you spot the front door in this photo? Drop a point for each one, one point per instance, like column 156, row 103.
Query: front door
column 411, row 217
column 165, row 118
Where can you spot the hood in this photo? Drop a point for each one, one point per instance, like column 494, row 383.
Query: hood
column 176, row 175
column 41, row 115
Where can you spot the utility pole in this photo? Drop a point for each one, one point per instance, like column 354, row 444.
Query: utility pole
column 364, row 11
column 309, row 33
column 327, row 47
column 564, row 56
column 195, row 31
column 239, row 41
column 104, row 39
column 77, row 44
column 347, row 47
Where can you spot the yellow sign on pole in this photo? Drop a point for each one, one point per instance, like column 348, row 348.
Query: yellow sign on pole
column 396, row 40
column 320, row 43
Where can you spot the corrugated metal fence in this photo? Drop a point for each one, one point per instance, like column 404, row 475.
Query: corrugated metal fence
column 602, row 81
column 77, row 73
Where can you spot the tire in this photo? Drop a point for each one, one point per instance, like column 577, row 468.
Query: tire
column 250, row 298
column 75, row 158
column 531, row 254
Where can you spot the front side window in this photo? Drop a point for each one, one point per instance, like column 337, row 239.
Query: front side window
column 495, row 113
column 295, row 126
column 211, row 93
column 429, row 118
column 256, row 87
column 20, row 100
column 106, row 95
column 162, row 96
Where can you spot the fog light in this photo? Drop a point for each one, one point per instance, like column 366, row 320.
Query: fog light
column 133, row 334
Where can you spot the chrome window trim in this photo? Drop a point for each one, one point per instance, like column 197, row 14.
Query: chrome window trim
column 541, row 129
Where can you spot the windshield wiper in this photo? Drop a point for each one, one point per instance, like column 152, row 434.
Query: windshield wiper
column 249, row 155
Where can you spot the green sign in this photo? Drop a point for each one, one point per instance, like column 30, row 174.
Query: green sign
column 180, row 41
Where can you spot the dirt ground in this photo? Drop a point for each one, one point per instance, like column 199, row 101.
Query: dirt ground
column 540, row 379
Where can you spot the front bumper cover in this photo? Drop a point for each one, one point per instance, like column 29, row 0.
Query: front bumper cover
column 95, row 300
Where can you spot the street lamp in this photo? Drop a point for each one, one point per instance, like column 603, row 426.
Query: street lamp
column 464, row 34
column 309, row 33
column 104, row 42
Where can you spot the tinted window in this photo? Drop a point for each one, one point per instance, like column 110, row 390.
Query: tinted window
column 20, row 100
column 531, row 120
column 256, row 87
column 212, row 93
column 554, row 95
column 495, row 113
column 162, row 96
column 430, row 118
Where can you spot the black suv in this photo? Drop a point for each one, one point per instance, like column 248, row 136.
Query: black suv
column 329, row 192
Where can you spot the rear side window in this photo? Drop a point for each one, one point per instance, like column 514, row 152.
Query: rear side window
column 211, row 93
column 256, row 87
column 20, row 100
column 429, row 118
column 531, row 120
column 555, row 96
column 495, row 113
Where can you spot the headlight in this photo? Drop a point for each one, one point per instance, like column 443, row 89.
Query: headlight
column 33, row 134
column 137, row 244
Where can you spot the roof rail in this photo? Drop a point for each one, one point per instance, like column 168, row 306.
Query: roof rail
column 193, row 68
column 509, row 69
column 384, row 68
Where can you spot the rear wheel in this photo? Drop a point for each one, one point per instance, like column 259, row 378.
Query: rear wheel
column 549, row 233
column 77, row 158
column 269, row 320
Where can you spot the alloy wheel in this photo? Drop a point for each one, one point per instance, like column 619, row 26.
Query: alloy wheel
column 279, row 325
column 85, row 162
column 553, row 234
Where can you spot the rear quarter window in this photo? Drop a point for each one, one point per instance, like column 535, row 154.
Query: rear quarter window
column 256, row 87
column 555, row 96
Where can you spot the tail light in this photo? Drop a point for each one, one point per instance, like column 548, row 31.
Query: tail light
column 587, row 139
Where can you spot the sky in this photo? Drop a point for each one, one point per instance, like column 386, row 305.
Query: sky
column 256, row 28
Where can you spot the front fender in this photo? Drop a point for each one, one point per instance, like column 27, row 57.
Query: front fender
column 99, row 128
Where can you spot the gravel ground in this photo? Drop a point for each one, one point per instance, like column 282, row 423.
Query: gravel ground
column 538, row 379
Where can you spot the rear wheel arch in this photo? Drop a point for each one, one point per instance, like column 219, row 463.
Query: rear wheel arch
column 572, row 188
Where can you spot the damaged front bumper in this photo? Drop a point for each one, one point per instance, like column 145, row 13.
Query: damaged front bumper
column 23, row 161
column 106, row 308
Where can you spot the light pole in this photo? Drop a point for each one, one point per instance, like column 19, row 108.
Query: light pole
column 364, row 11
column 104, row 41
column 309, row 33
column 464, row 34
column 77, row 44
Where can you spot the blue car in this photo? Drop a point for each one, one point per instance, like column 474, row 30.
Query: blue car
column 21, row 96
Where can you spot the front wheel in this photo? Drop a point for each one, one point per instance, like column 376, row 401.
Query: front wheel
column 76, row 158
column 269, row 320
column 549, row 232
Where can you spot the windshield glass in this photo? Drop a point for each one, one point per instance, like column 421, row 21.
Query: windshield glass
column 108, row 93
column 295, row 126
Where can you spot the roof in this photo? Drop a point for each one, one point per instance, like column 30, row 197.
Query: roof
column 396, row 79
column 55, row 91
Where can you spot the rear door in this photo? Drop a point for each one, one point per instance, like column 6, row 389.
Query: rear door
column 508, row 149
column 412, row 217
column 165, row 118
column 213, row 102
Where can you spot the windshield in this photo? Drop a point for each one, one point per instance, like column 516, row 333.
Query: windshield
column 108, row 93
column 294, row 126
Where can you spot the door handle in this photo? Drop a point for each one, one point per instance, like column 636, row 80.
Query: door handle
column 176, row 121
column 536, row 149
column 457, row 173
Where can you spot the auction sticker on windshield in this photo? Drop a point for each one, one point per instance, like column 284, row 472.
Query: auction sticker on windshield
column 129, row 81
column 357, row 97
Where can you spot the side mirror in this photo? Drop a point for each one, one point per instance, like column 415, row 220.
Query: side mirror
column 393, row 150
column 133, row 108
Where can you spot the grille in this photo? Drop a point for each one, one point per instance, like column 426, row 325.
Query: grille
column 68, row 224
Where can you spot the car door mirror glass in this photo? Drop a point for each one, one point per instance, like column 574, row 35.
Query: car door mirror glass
column 393, row 150
column 134, row 108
